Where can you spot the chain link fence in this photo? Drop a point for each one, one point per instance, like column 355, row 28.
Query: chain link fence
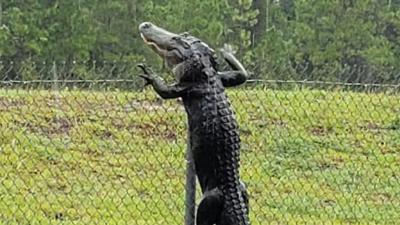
column 101, row 150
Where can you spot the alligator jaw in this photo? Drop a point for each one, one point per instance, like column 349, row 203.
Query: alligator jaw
column 156, row 36
column 166, row 44
column 153, row 45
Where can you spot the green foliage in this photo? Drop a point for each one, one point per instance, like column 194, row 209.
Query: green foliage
column 308, row 38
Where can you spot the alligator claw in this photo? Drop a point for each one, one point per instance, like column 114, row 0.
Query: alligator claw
column 142, row 66
column 227, row 49
column 148, row 74
column 146, row 69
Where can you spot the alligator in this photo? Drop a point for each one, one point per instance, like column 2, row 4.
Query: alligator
column 213, row 131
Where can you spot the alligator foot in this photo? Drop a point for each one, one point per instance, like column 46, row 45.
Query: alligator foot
column 227, row 51
column 210, row 207
column 148, row 75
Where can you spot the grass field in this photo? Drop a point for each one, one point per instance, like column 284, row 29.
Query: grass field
column 87, row 157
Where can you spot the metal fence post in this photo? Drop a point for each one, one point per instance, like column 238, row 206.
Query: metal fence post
column 190, row 206
column 55, row 87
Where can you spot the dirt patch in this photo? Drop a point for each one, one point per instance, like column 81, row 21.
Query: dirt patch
column 52, row 126
column 60, row 126
column 328, row 203
column 370, row 126
column 381, row 198
column 152, row 130
column 328, row 165
column 143, row 105
column 9, row 103
column 278, row 122
column 155, row 105
column 320, row 130
column 245, row 131
column 169, row 135
column 332, row 163
column 158, row 128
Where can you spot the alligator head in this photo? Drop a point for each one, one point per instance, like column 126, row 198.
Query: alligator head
column 182, row 52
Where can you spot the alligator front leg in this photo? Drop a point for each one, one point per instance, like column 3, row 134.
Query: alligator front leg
column 232, row 78
column 165, row 91
column 238, row 75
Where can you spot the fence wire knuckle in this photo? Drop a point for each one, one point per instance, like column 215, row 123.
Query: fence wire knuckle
column 85, row 143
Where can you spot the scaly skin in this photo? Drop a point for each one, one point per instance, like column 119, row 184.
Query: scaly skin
column 214, row 136
column 216, row 151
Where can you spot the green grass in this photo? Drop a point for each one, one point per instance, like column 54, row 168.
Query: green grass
column 86, row 157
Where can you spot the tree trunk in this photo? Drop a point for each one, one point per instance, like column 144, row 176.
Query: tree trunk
column 288, row 8
column 260, row 28
column 1, row 14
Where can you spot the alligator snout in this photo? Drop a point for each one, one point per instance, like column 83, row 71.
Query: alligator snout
column 157, row 35
column 145, row 25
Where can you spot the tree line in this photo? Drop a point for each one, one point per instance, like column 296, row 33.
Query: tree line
column 350, row 40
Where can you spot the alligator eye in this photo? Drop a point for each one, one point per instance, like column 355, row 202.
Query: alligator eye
column 176, row 38
column 185, row 34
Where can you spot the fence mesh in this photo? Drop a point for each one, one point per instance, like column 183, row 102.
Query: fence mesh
column 76, row 151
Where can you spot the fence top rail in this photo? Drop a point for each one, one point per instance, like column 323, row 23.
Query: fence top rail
column 324, row 83
column 15, row 72
column 250, row 81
